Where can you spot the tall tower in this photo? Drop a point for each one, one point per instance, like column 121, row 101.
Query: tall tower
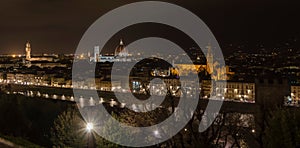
column 209, row 60
column 28, row 51
column 96, row 53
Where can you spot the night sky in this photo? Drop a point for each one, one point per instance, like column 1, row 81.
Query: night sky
column 56, row 26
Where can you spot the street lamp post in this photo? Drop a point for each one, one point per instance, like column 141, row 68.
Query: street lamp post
column 157, row 135
column 89, row 129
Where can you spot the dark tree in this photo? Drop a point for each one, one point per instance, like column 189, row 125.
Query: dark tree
column 68, row 130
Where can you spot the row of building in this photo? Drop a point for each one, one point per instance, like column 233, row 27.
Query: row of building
column 230, row 90
column 220, row 89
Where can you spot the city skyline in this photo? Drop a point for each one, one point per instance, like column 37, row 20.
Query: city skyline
column 150, row 73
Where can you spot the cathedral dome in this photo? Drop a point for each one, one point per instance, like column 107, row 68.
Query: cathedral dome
column 120, row 49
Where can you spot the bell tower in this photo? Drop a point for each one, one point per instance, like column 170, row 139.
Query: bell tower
column 28, row 51
column 209, row 60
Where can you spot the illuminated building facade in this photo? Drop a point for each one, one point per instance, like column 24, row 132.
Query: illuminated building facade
column 241, row 91
column 120, row 54
column 211, row 67
column 295, row 94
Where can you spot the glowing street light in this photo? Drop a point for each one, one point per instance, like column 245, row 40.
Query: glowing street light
column 157, row 136
column 89, row 127
column 156, row 133
column 101, row 100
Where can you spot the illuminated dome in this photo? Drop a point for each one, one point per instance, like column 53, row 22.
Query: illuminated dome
column 120, row 49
